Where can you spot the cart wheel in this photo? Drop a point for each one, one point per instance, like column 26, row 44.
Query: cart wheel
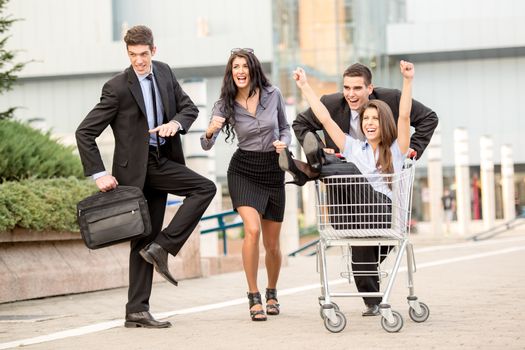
column 394, row 326
column 421, row 317
column 336, row 307
column 339, row 325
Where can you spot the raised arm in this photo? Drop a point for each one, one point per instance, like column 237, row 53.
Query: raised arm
column 405, row 105
column 319, row 109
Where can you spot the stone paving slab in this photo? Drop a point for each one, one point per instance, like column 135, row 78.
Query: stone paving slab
column 472, row 289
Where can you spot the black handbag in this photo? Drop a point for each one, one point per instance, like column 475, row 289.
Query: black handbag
column 108, row 218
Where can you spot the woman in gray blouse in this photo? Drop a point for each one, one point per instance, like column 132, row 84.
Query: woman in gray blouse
column 252, row 110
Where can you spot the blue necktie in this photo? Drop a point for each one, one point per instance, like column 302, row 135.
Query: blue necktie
column 155, row 121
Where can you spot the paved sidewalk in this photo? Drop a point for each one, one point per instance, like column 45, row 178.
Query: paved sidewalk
column 472, row 289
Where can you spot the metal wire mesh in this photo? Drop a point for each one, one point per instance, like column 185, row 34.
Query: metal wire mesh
column 365, row 206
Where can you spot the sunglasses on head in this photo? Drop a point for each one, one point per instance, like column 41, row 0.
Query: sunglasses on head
column 241, row 49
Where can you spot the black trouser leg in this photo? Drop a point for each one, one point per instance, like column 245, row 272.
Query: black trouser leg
column 376, row 215
column 364, row 261
column 165, row 176
column 177, row 179
column 356, row 205
column 140, row 271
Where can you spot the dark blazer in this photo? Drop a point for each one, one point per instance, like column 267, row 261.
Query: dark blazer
column 122, row 107
column 422, row 118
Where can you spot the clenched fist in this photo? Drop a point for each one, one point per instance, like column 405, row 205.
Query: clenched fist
column 216, row 124
column 279, row 146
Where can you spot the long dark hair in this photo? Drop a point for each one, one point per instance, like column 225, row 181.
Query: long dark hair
column 388, row 133
column 229, row 90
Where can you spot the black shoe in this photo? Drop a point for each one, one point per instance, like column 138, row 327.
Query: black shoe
column 314, row 153
column 255, row 299
column 158, row 256
column 272, row 308
column 286, row 163
column 330, row 159
column 144, row 319
column 371, row 310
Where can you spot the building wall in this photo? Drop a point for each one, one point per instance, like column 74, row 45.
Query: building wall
column 468, row 67
column 481, row 95
column 321, row 28
column 61, row 102
column 66, row 37
column 469, row 57
column 469, row 54
column 75, row 46
column 464, row 10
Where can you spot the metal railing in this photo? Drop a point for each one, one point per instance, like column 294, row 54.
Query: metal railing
column 305, row 247
column 496, row 230
column 222, row 226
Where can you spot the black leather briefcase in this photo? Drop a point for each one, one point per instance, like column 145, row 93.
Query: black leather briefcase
column 108, row 218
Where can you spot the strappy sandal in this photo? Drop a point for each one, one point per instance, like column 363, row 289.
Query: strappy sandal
column 272, row 309
column 255, row 299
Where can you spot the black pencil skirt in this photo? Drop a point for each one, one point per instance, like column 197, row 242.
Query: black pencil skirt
column 255, row 180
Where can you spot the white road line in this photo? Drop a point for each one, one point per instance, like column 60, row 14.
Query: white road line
column 64, row 334
column 470, row 257
column 75, row 332
column 437, row 263
column 470, row 244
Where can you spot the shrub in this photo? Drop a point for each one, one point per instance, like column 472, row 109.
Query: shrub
column 28, row 153
column 42, row 204
column 8, row 68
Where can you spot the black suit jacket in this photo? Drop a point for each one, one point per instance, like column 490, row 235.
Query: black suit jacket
column 122, row 107
column 422, row 118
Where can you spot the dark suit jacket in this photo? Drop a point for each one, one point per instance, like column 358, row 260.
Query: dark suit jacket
column 122, row 107
column 422, row 118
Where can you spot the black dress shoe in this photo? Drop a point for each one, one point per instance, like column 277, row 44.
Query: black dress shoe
column 158, row 256
column 144, row 319
column 371, row 310
column 286, row 163
column 314, row 153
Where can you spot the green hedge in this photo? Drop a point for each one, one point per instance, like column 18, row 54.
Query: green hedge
column 42, row 204
column 28, row 153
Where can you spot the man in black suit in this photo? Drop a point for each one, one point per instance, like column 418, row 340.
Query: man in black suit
column 147, row 111
column 344, row 109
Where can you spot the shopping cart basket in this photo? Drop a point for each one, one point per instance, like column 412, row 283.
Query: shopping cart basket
column 367, row 210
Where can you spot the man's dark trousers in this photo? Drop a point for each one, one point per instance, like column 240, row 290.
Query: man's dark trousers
column 165, row 176
column 344, row 215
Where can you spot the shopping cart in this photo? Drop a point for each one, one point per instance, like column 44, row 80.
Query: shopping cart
column 367, row 210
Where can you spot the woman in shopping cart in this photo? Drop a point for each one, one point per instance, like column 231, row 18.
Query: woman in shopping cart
column 384, row 149
column 382, row 152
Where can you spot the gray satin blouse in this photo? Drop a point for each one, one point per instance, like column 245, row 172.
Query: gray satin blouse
column 256, row 133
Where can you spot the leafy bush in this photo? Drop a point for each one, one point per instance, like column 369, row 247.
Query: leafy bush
column 42, row 204
column 26, row 153
column 29, row 153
